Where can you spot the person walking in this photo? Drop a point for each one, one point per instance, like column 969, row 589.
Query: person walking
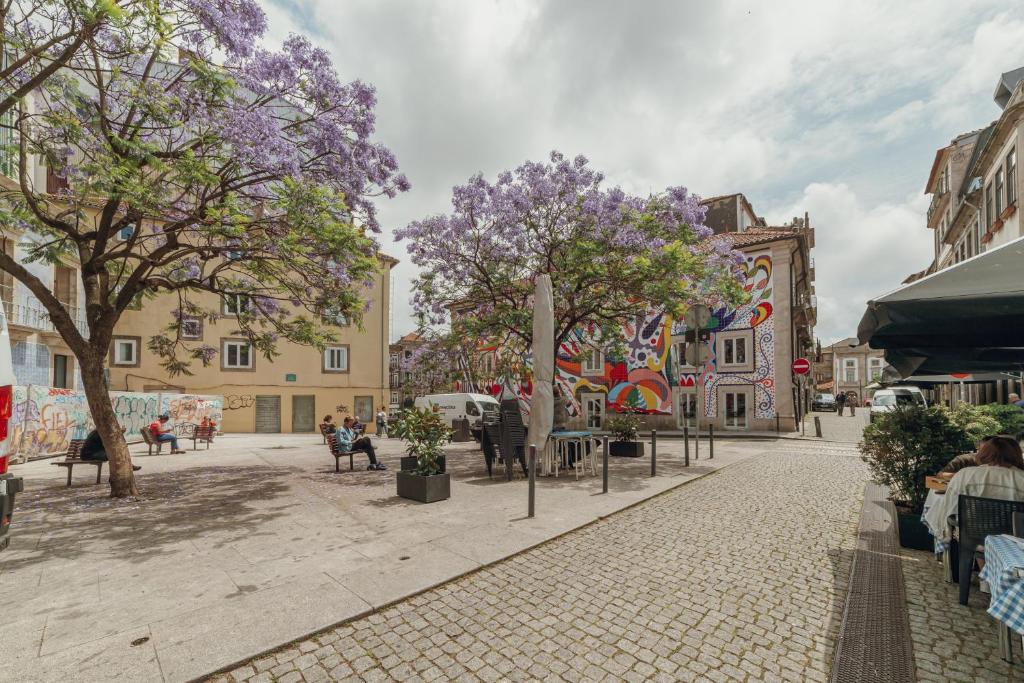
column 349, row 440
column 382, row 423
column 840, row 402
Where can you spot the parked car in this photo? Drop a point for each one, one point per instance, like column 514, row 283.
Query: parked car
column 824, row 402
column 886, row 400
column 10, row 485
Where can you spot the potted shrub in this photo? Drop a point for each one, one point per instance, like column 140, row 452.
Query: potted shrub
column 426, row 434
column 901, row 448
column 1010, row 418
column 625, row 428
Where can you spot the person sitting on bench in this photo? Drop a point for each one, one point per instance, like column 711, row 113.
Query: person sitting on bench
column 93, row 450
column 348, row 440
column 161, row 434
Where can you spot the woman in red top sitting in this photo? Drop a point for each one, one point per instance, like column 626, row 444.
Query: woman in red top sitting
column 161, row 434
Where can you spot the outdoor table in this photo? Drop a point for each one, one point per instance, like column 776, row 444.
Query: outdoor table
column 1004, row 572
column 558, row 444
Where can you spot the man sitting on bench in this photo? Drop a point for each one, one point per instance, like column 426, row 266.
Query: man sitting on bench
column 93, row 450
column 347, row 440
column 161, row 434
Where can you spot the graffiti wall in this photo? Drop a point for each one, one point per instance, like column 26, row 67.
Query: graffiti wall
column 641, row 378
column 46, row 419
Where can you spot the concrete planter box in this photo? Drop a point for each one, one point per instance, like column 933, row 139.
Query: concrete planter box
column 424, row 489
column 409, row 463
column 626, row 449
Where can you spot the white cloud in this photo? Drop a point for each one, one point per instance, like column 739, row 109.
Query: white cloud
column 848, row 102
column 860, row 251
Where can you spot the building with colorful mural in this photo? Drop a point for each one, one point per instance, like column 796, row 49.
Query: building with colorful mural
column 746, row 383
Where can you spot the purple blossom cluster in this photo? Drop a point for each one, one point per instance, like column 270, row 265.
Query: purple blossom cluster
column 516, row 223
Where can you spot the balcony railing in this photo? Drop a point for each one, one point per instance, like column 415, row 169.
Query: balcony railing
column 30, row 313
column 937, row 199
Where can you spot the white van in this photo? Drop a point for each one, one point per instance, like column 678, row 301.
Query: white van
column 475, row 407
column 886, row 400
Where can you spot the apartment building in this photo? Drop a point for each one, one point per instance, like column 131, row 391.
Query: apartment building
column 854, row 367
column 400, row 353
column 976, row 187
column 39, row 354
column 289, row 393
column 746, row 383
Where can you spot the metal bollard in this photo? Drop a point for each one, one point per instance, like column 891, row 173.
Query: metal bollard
column 711, row 442
column 604, row 465
column 686, row 446
column 533, row 478
column 778, row 427
column 817, row 426
column 654, row 452
column 696, row 442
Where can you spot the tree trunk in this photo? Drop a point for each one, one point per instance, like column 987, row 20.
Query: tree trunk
column 97, row 393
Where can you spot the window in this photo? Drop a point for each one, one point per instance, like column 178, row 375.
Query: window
column 472, row 410
column 850, row 370
column 394, row 398
column 874, row 369
column 1011, row 176
column 735, row 352
column 236, row 354
column 191, row 328
column 60, row 371
column 735, row 410
column 990, row 215
column 336, row 359
column 593, row 410
column 335, row 317
column 395, row 381
column 234, row 254
column 679, row 352
column 126, row 351
column 55, row 183
column 235, row 304
column 9, row 153
column 126, row 232
column 593, row 362
column 999, row 191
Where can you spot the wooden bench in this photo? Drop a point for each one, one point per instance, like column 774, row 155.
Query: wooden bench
column 151, row 441
column 198, row 433
column 326, row 430
column 332, row 443
column 71, row 459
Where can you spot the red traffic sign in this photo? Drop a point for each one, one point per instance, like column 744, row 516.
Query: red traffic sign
column 801, row 366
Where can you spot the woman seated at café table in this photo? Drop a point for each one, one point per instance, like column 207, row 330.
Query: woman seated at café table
column 999, row 473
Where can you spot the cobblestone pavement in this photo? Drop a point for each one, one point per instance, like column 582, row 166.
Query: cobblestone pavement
column 843, row 428
column 951, row 642
column 739, row 576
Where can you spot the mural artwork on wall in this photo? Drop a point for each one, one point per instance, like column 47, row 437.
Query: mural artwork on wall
column 641, row 380
column 46, row 419
column 755, row 315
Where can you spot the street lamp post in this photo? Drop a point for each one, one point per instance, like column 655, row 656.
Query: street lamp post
column 697, row 318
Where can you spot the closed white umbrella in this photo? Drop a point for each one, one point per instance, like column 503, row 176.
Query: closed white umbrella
column 542, row 402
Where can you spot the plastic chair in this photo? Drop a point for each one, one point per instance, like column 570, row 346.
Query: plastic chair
column 977, row 519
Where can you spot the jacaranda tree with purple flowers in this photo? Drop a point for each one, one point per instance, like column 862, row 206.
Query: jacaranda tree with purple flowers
column 611, row 256
column 192, row 163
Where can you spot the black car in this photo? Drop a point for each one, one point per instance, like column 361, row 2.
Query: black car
column 824, row 402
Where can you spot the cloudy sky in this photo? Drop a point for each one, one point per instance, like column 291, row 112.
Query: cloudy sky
column 834, row 108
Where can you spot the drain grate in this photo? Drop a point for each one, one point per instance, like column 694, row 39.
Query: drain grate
column 874, row 640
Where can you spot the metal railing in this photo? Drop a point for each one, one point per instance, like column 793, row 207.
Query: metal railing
column 30, row 313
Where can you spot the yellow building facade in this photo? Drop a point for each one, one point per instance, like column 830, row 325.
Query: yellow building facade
column 290, row 393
